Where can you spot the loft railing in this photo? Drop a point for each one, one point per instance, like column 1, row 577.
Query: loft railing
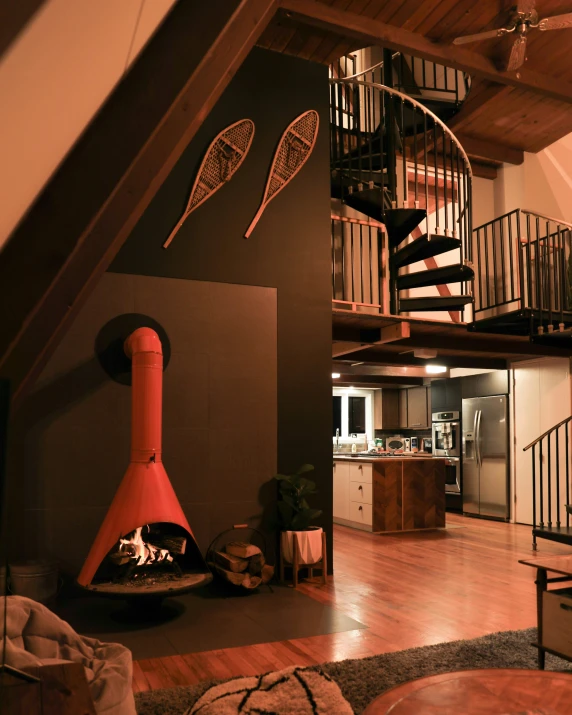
column 523, row 268
column 358, row 265
column 388, row 143
column 551, row 483
column 414, row 76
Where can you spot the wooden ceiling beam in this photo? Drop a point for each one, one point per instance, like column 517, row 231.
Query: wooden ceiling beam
column 131, row 147
column 374, row 32
column 14, row 16
column 373, row 381
column 376, row 357
column 483, row 150
column 369, row 338
column 483, row 171
column 473, row 343
column 403, row 373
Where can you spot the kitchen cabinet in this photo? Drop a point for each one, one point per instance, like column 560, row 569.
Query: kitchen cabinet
column 389, row 412
column 353, row 485
column 417, row 408
column 446, row 395
column 429, row 420
column 377, row 410
column 403, row 411
column 486, row 384
column 385, row 494
column 341, row 490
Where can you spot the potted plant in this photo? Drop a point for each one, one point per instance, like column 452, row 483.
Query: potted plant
column 296, row 517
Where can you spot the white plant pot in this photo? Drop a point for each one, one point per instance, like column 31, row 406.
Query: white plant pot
column 309, row 545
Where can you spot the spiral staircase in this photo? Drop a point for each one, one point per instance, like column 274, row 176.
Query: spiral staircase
column 394, row 161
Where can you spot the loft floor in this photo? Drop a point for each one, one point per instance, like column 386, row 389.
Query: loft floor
column 409, row 590
column 365, row 337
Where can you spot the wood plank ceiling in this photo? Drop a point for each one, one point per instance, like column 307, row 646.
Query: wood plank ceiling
column 512, row 119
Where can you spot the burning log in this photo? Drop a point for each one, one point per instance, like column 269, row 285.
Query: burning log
column 174, row 544
column 134, row 552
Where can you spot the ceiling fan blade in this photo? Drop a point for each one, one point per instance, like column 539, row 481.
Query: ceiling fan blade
column 525, row 6
column 479, row 36
column 517, row 54
column 558, row 22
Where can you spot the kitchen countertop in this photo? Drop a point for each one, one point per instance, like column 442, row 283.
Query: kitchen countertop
column 375, row 458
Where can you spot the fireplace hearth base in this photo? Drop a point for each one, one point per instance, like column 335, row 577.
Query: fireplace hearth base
column 150, row 586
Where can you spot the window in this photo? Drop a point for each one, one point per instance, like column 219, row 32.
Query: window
column 337, row 416
column 356, row 415
column 352, row 413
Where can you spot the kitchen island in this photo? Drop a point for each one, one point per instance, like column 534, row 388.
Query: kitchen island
column 389, row 493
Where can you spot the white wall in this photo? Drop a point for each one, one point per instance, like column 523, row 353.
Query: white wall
column 542, row 183
column 483, row 201
column 541, row 399
column 54, row 78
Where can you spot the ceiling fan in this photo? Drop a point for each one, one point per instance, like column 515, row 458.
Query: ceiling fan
column 524, row 17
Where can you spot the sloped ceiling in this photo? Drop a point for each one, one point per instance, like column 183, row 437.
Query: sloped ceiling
column 54, row 78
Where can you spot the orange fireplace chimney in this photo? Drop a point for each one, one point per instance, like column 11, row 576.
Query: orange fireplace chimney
column 145, row 495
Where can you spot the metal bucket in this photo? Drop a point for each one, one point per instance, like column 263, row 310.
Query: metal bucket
column 34, row 579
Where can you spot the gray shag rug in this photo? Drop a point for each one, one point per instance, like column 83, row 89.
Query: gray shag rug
column 363, row 679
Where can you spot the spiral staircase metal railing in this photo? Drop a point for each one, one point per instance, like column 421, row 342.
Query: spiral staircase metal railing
column 395, row 161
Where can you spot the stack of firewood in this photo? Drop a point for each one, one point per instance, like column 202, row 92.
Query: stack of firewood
column 242, row 564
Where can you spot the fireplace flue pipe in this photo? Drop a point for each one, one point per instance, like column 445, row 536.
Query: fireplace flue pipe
column 145, row 495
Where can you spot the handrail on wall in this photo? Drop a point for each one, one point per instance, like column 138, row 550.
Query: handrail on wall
column 545, row 434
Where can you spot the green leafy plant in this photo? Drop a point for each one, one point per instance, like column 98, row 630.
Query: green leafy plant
column 293, row 509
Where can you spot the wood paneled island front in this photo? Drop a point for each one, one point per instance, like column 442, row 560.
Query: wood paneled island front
column 384, row 494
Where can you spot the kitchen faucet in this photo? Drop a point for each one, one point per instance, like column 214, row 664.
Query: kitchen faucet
column 337, row 439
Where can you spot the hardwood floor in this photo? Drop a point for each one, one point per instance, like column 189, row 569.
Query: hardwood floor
column 409, row 589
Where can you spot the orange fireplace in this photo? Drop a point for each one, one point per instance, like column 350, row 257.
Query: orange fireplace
column 145, row 544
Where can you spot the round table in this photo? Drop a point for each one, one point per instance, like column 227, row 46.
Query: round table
column 479, row 692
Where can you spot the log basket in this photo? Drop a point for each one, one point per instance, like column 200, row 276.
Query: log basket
column 251, row 564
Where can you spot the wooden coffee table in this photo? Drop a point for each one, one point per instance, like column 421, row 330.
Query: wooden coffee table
column 500, row 691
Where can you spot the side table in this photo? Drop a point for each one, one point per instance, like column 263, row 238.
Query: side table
column 553, row 608
column 498, row 691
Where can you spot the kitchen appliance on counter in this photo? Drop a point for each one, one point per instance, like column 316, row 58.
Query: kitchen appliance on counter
column 485, row 457
column 427, row 445
column 395, row 443
column 446, row 434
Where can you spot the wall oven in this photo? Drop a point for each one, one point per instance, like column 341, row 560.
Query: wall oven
column 446, row 434
column 453, row 475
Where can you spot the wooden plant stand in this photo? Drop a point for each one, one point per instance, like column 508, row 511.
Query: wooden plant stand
column 322, row 564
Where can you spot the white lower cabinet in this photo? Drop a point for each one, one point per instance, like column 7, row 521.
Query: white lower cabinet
column 360, row 513
column 353, row 494
column 341, row 490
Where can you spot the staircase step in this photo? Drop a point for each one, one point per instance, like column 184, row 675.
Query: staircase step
column 456, row 273
column 424, row 247
column 400, row 222
column 368, row 202
column 453, row 302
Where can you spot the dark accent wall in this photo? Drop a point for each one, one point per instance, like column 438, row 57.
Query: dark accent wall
column 289, row 251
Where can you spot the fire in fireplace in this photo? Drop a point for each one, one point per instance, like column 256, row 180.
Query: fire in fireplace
column 145, row 545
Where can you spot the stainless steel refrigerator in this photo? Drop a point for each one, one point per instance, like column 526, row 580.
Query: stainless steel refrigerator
column 485, row 456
